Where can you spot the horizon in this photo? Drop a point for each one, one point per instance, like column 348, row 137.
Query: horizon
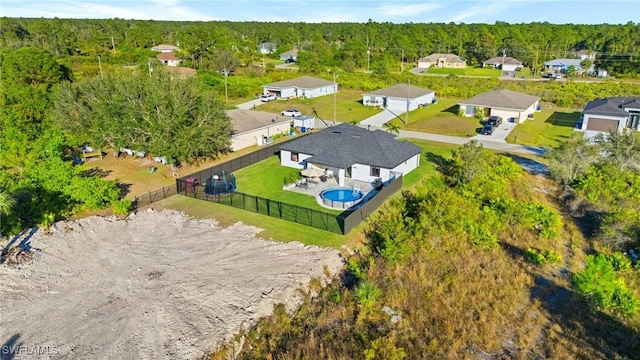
column 588, row 12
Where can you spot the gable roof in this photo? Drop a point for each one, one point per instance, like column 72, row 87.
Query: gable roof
column 344, row 145
column 563, row 62
column 292, row 52
column 498, row 60
column 165, row 47
column 247, row 120
column 303, row 82
column 614, row 106
column 400, row 91
column 503, row 98
column 167, row 56
column 447, row 57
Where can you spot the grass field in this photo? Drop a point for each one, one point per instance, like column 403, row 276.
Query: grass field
column 349, row 106
column 548, row 128
column 440, row 118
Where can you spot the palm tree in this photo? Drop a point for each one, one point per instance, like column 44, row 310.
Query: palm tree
column 6, row 203
column 392, row 127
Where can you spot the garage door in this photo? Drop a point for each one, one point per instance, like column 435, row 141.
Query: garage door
column 602, row 124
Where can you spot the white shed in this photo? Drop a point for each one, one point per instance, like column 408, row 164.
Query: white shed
column 305, row 121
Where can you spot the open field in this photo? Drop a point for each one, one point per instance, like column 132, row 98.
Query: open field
column 440, row 118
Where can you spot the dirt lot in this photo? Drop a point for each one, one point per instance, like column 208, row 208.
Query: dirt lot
column 158, row 285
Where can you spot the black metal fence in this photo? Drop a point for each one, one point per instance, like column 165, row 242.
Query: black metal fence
column 154, row 196
column 277, row 209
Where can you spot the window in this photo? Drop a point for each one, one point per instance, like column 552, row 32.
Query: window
column 375, row 172
column 294, row 156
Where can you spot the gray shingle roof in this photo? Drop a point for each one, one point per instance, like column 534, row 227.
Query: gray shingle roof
column 614, row 106
column 303, row 82
column 345, row 144
column 400, row 90
column 507, row 60
column 447, row 57
column 503, row 98
column 247, row 120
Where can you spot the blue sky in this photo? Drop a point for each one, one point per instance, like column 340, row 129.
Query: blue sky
column 313, row 11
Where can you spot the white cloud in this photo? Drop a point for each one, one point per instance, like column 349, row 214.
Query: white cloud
column 478, row 13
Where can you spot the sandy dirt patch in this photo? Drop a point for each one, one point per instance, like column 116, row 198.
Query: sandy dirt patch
column 158, row 285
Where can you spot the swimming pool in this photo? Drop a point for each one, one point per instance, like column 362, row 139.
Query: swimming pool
column 341, row 197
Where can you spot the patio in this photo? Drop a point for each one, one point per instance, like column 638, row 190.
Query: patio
column 316, row 186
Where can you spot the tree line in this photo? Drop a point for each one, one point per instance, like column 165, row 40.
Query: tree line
column 340, row 45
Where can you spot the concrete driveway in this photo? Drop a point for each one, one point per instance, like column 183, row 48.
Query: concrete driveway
column 382, row 117
column 499, row 135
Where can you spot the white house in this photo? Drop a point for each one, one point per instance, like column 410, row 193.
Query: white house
column 267, row 48
column 612, row 114
column 396, row 97
column 349, row 151
column 559, row 66
column 255, row 127
column 168, row 58
column 305, row 87
column 164, row 48
column 510, row 105
column 506, row 63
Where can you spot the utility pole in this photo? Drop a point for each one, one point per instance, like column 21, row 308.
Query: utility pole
column 535, row 64
column 406, row 118
column 113, row 46
column 150, row 68
column 368, row 53
column 335, row 90
column 100, row 66
column 401, row 60
column 502, row 66
column 226, row 92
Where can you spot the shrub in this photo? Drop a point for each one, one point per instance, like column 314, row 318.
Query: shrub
column 619, row 261
column 122, row 207
column 367, row 293
column 541, row 257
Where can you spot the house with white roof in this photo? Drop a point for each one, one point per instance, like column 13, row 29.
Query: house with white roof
column 304, row 87
column 398, row 97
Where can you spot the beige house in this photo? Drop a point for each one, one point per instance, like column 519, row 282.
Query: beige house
column 512, row 106
column 255, row 127
column 168, row 59
column 442, row 61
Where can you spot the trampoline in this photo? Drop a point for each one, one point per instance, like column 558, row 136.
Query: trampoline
column 220, row 184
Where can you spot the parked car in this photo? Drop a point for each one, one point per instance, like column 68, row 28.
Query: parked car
column 494, row 120
column 487, row 130
column 267, row 97
column 289, row 60
column 291, row 112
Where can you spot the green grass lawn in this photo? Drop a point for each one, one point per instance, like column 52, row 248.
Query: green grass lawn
column 548, row 128
column 468, row 71
column 349, row 106
column 266, row 178
column 440, row 118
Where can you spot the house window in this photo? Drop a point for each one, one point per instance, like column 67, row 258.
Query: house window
column 294, row 156
column 375, row 172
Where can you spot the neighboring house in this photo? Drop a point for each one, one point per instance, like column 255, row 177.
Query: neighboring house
column 350, row 151
column 304, row 87
column 560, row 66
column 168, row 59
column 615, row 113
column 267, row 48
column 255, row 127
column 506, row 63
column 442, row 61
column 505, row 103
column 396, row 97
column 291, row 54
column 163, row 48
column 586, row 54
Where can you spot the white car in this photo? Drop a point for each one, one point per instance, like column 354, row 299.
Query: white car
column 291, row 112
column 267, row 97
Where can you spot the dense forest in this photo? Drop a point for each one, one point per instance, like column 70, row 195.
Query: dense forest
column 339, row 45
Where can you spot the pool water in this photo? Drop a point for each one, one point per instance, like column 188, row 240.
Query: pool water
column 342, row 194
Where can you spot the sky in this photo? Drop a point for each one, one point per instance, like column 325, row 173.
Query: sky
column 316, row 11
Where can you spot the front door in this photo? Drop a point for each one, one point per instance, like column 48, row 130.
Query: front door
column 348, row 172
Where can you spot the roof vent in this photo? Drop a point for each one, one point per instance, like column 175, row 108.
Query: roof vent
column 356, row 136
column 337, row 132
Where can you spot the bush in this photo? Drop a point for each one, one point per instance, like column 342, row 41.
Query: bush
column 122, row 207
column 619, row 261
column 541, row 257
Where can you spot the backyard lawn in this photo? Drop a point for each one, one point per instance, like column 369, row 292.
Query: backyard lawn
column 349, row 106
column 548, row 128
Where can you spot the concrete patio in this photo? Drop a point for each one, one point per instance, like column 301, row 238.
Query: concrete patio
column 315, row 186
